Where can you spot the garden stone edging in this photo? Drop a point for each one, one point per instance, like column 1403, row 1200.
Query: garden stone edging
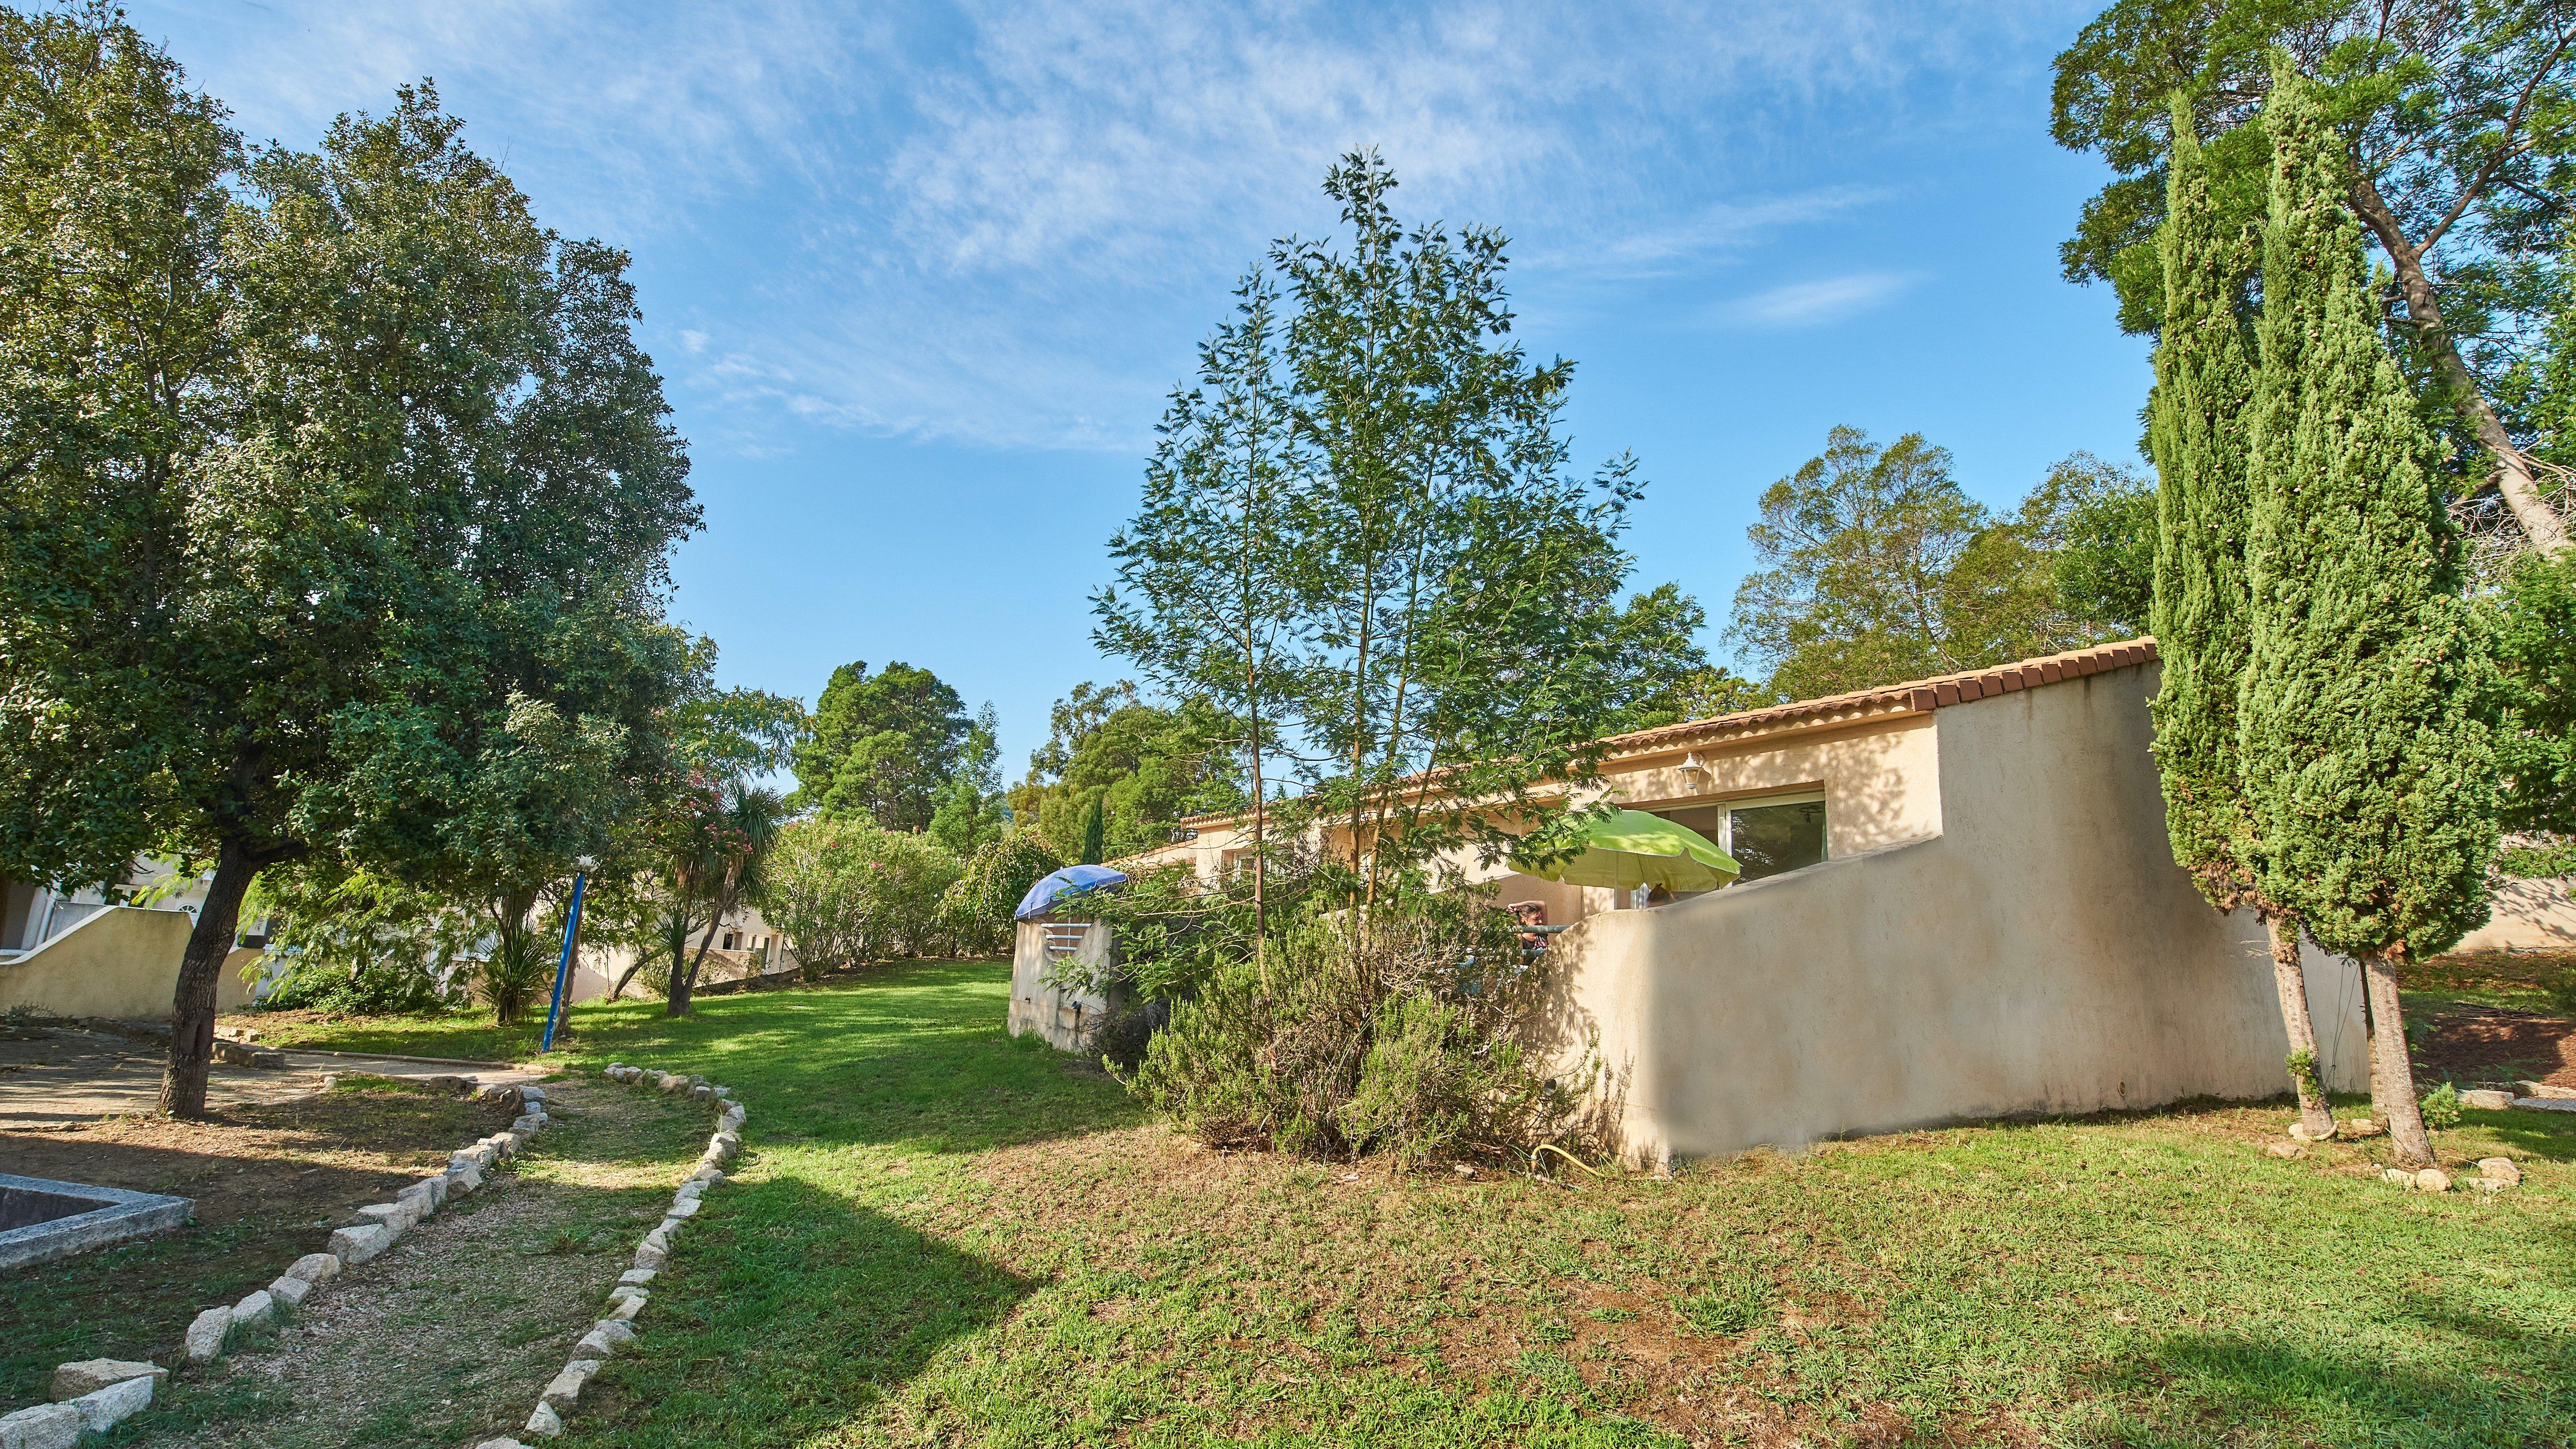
column 627, row 1299
column 94, row 1395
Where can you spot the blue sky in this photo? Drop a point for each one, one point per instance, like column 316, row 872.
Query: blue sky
column 918, row 276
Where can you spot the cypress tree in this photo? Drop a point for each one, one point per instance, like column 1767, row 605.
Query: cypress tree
column 2196, row 421
column 2370, row 779
column 1095, row 832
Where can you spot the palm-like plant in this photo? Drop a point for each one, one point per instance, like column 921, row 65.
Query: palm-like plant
column 725, row 863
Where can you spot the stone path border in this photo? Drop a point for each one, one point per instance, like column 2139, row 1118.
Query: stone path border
column 627, row 1299
column 94, row 1395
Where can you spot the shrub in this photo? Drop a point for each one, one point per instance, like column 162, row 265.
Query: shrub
column 844, row 891
column 382, row 988
column 2562, row 993
column 517, row 975
column 1406, row 1038
column 2441, row 1107
column 976, row 910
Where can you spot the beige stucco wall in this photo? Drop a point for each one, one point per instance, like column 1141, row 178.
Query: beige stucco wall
column 2530, row 915
column 122, row 962
column 1064, row 1018
column 2042, row 953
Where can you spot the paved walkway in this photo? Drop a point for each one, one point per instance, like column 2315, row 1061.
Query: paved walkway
column 68, row 1074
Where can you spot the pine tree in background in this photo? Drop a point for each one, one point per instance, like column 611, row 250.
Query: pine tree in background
column 2196, row 427
column 2370, row 781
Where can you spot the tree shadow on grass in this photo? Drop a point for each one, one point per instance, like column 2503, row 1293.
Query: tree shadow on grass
column 789, row 1311
column 2510, row 1387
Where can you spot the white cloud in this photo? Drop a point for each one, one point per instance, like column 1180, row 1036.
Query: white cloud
column 1817, row 303
column 1008, row 221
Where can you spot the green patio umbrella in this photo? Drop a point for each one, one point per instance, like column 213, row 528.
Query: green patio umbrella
column 1630, row 848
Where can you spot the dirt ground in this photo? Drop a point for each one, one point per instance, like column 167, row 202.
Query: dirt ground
column 446, row 1340
column 2505, row 1029
column 269, row 1181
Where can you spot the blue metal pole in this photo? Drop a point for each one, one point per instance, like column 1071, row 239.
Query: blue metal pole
column 563, row 968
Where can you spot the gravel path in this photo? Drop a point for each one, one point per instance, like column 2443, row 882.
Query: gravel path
column 445, row 1340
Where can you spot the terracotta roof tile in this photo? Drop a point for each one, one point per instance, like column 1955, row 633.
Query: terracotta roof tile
column 1914, row 696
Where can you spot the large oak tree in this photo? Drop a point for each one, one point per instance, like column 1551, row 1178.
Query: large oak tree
column 331, row 477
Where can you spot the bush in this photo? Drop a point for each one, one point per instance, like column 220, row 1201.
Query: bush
column 1405, row 1039
column 976, row 909
column 2562, row 993
column 382, row 988
column 844, row 891
column 2441, row 1107
column 519, row 974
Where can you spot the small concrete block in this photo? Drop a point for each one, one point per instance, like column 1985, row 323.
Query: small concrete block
column 106, row 1408
column 708, row 1174
column 605, row 1337
column 702, row 1093
column 255, row 1310
column 545, row 1422
column 627, row 1308
column 2396, row 1177
column 2546, row 1090
column 2486, row 1100
column 651, row 1254
column 531, row 1092
column 671, row 1228
column 500, row 1444
column 683, row 1207
column 314, row 1268
column 565, row 1388
column 2432, row 1179
column 93, row 1374
column 46, row 1426
column 658, row 1238
column 690, row 1191
column 464, row 1181
column 719, row 1092
column 672, row 1086
column 205, row 1340
column 624, row 1291
column 2503, row 1169
column 2486, row 1184
column 635, row 1277
column 433, row 1187
column 2358, row 1127
column 356, row 1245
column 2545, row 1104
column 2282, row 1150
column 290, row 1291
column 395, row 1217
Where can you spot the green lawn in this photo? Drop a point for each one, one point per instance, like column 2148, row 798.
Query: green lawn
column 948, row 1237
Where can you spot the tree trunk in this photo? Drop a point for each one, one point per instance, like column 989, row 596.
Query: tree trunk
column 192, row 1008
column 683, row 982
column 2393, row 1073
column 2540, row 523
column 2316, row 1114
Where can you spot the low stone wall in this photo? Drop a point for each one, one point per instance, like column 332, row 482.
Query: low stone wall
column 121, row 962
column 616, row 1328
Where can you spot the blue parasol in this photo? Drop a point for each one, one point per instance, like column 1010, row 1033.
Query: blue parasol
column 1073, row 880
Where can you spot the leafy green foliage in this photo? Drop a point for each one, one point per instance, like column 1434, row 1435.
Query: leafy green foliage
column 1402, row 1039
column 2535, row 647
column 979, row 907
column 341, row 499
column 846, row 891
column 2441, row 1107
column 1878, row 567
column 971, row 810
column 885, row 745
column 2369, row 776
column 1141, row 766
column 2196, row 426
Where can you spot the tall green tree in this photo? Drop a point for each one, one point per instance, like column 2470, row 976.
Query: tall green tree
column 1206, row 597
column 973, row 810
column 2198, row 419
column 2368, row 772
column 317, row 462
column 1878, row 567
column 2453, row 120
column 887, row 744
column 1144, row 765
column 1459, row 584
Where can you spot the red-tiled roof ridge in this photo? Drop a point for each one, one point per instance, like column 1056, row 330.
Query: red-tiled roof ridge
column 1911, row 696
